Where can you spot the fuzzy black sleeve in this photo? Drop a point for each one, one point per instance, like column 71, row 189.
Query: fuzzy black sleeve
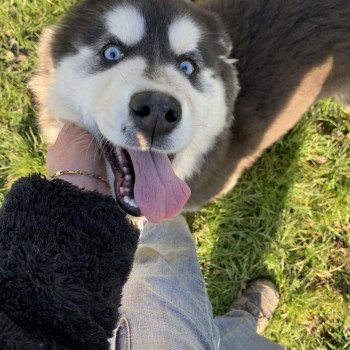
column 65, row 255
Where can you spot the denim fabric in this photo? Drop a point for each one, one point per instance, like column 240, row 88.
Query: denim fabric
column 165, row 304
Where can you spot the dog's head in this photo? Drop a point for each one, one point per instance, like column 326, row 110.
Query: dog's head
column 146, row 75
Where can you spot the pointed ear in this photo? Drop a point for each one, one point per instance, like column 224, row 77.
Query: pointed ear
column 223, row 38
column 41, row 82
column 46, row 65
column 225, row 42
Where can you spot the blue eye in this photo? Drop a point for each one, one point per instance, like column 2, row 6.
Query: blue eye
column 187, row 67
column 112, row 53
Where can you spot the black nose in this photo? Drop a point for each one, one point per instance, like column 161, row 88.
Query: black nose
column 155, row 113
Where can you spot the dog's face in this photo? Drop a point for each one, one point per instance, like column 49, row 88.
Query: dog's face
column 146, row 75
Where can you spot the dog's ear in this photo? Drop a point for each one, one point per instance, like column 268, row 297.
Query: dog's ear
column 46, row 64
column 40, row 83
column 218, row 33
column 225, row 42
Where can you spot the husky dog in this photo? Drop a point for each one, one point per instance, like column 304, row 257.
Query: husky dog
column 184, row 97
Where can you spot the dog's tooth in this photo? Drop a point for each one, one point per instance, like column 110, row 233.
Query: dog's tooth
column 126, row 190
column 128, row 177
column 126, row 199
column 127, row 183
column 122, row 190
column 119, row 156
column 125, row 170
column 133, row 203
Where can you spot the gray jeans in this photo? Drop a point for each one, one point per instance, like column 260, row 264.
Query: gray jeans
column 165, row 305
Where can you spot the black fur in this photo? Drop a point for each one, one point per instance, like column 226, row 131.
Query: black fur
column 276, row 42
column 65, row 255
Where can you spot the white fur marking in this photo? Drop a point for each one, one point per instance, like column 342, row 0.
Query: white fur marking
column 184, row 35
column 225, row 44
column 143, row 142
column 127, row 24
column 228, row 60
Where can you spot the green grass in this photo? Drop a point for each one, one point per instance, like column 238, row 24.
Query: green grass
column 288, row 218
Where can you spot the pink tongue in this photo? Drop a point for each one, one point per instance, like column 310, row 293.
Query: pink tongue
column 158, row 192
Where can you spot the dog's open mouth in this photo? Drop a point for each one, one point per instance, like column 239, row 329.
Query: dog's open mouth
column 145, row 183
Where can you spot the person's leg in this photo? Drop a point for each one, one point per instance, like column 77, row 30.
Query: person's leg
column 165, row 304
column 164, row 300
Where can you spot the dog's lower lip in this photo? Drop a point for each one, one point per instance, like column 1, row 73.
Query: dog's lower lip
column 124, row 179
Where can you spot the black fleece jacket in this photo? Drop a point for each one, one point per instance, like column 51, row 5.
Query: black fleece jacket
column 65, row 255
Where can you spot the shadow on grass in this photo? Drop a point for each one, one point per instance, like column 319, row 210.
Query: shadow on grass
column 30, row 121
column 243, row 224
